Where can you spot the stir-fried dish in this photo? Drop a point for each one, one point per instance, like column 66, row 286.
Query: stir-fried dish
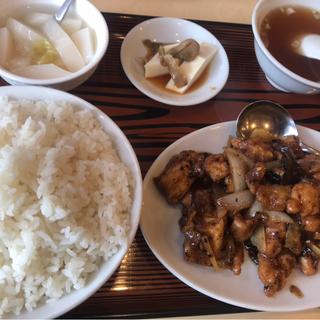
column 261, row 195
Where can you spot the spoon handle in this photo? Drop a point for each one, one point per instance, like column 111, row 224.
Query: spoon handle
column 59, row 15
column 310, row 150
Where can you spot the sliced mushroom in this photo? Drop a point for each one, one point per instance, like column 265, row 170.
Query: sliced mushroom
column 178, row 77
column 152, row 47
column 187, row 50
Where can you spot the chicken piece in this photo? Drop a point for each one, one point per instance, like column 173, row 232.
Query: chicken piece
column 241, row 228
column 275, row 233
column 287, row 262
column 311, row 164
column 315, row 166
column 277, row 172
column 311, row 223
column 257, row 173
column 186, row 201
column 194, row 253
column 316, row 175
column 279, row 227
column 216, row 234
column 308, row 264
column 238, row 258
column 179, row 174
column 271, row 275
column 216, row 166
column 229, row 184
column 203, row 201
column 294, row 145
column 192, row 247
column 273, row 197
column 254, row 149
column 232, row 254
column 204, row 204
column 206, row 220
column 214, row 231
column 186, row 222
column 197, row 211
column 255, row 176
column 194, row 204
column 293, row 206
column 308, row 197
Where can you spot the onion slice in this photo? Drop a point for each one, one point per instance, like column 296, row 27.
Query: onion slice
column 293, row 242
column 315, row 249
column 237, row 200
column 210, row 254
column 238, row 168
column 258, row 239
column 255, row 208
column 277, row 216
column 250, row 164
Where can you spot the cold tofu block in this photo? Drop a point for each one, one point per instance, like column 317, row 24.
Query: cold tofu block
column 71, row 25
column 66, row 48
column 153, row 68
column 193, row 69
column 6, row 46
column 84, row 42
column 23, row 36
column 36, row 19
column 41, row 71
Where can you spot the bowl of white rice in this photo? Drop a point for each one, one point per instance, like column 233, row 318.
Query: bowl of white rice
column 70, row 199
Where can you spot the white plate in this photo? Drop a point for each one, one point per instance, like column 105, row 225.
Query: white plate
column 127, row 155
column 172, row 30
column 159, row 223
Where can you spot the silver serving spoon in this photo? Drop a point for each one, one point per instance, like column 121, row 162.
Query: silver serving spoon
column 270, row 116
column 61, row 12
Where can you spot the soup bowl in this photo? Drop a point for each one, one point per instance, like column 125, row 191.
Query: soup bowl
column 83, row 9
column 277, row 74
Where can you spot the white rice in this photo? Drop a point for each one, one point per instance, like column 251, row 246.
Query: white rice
column 64, row 201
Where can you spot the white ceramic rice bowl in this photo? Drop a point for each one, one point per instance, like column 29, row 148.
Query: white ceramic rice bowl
column 127, row 155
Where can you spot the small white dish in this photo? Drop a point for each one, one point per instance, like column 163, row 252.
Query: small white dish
column 172, row 30
column 127, row 155
column 159, row 224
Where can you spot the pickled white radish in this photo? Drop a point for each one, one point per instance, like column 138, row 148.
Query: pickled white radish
column 41, row 71
column 36, row 19
column 71, row 25
column 6, row 46
column 66, row 48
column 19, row 61
column 23, row 36
column 84, row 42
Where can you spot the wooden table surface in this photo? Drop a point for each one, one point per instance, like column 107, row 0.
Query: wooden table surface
column 142, row 287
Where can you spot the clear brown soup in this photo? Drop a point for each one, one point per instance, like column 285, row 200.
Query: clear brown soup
column 280, row 30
